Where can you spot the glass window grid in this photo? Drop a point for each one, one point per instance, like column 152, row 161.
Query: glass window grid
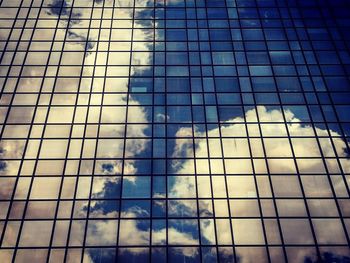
column 206, row 69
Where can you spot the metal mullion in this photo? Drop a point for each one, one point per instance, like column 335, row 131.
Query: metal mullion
column 265, row 158
column 125, row 130
column 250, row 122
column 120, row 93
column 82, row 143
column 190, row 217
column 208, row 158
column 140, row 51
column 170, row 137
column 60, row 123
column 262, row 138
column 185, row 245
column 233, row 245
column 214, row 217
column 164, row 7
column 193, row 144
column 152, row 140
column 210, row 168
column 98, row 127
column 177, row 198
column 69, row 105
column 295, row 161
column 262, row 221
column 179, row 158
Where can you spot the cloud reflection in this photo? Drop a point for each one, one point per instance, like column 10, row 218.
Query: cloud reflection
column 208, row 152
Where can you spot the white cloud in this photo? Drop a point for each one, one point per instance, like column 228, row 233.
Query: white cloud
column 276, row 147
column 243, row 186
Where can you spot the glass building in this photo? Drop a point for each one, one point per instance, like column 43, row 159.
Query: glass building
column 174, row 131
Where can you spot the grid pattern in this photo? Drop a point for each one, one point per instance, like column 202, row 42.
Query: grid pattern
column 174, row 131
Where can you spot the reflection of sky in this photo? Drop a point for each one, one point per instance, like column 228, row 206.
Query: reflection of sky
column 136, row 182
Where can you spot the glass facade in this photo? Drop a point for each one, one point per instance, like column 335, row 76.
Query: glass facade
column 174, row 131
